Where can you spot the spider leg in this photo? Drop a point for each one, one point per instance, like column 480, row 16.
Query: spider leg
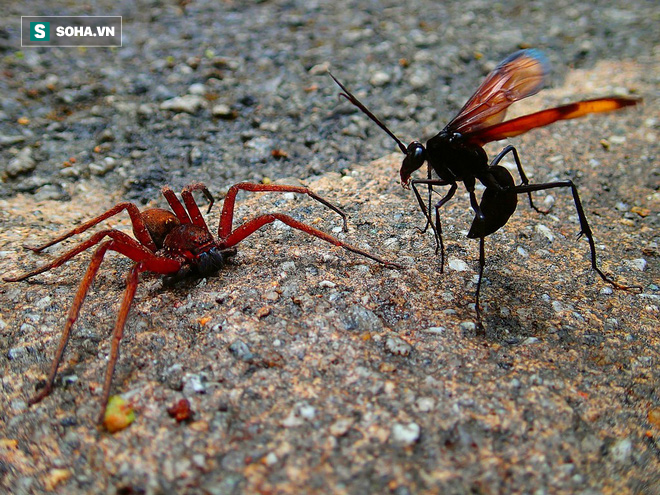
column 584, row 225
column 139, row 228
column 193, row 215
column 118, row 333
column 251, row 226
column 121, row 243
column 126, row 245
column 175, row 204
column 191, row 204
column 71, row 318
column 227, row 216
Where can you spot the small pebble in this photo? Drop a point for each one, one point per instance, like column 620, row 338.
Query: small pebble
column 271, row 295
column 43, row 302
column 241, row 350
column 222, row 111
column 22, row 163
column 103, row 167
column 545, row 232
column 197, row 89
column 340, row 427
column 467, row 326
column 397, row 346
column 549, row 202
column 435, row 330
column 405, row 434
column 105, row 136
column 420, row 79
column 307, row 411
column 187, row 103
column 359, row 319
column 457, row 265
column 380, row 78
column 288, row 266
column 425, row 404
column 621, row 450
column 261, row 147
column 299, row 414
column 17, row 353
column 193, row 384
column 639, row 264
column 9, row 140
column 320, row 69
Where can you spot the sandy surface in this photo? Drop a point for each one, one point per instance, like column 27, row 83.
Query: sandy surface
column 312, row 370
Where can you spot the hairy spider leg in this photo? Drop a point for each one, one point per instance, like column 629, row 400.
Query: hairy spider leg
column 118, row 333
column 175, row 204
column 191, row 204
column 192, row 215
column 227, row 216
column 120, row 243
column 133, row 248
column 249, row 227
column 139, row 227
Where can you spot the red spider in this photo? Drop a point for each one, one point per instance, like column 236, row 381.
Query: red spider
column 177, row 245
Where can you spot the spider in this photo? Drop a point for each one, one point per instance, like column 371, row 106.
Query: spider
column 176, row 244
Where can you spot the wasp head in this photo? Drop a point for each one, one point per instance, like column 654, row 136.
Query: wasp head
column 415, row 158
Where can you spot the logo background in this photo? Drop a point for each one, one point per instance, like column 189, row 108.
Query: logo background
column 33, row 32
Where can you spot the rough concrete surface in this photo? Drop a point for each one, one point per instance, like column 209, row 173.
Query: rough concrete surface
column 310, row 369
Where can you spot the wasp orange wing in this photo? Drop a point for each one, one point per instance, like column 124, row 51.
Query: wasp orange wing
column 518, row 76
column 523, row 124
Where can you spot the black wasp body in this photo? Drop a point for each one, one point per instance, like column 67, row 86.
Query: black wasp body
column 456, row 153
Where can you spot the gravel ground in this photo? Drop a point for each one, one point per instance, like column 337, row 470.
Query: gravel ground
column 308, row 368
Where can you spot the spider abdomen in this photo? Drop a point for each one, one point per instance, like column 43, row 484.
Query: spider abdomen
column 159, row 223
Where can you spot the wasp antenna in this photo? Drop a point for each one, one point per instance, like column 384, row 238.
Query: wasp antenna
column 350, row 97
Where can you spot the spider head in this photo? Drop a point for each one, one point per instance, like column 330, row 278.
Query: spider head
column 415, row 158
